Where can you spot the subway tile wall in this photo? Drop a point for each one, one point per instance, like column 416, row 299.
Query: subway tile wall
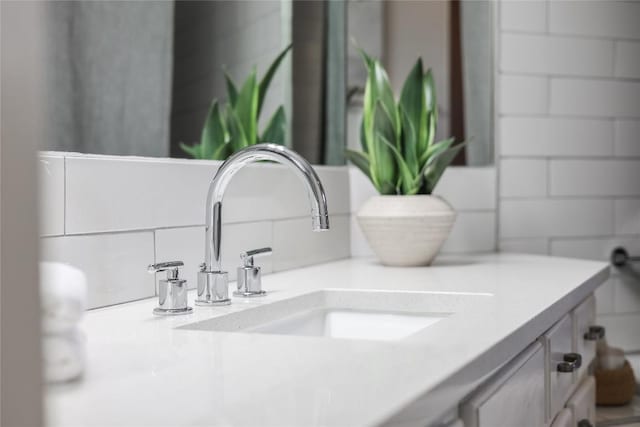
column 112, row 216
column 569, row 140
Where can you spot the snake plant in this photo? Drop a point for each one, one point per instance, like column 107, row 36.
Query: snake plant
column 233, row 126
column 400, row 154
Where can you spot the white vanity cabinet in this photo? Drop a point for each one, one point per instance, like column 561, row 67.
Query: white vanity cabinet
column 545, row 385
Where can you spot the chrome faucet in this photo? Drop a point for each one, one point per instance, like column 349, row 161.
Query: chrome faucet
column 212, row 281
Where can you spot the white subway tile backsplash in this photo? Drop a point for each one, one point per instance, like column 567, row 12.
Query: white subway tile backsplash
column 627, row 59
column 111, row 194
column 115, row 264
column 454, row 187
column 627, row 138
column 627, row 216
column 523, row 177
column 472, row 232
column 51, row 194
column 534, row 246
column 601, row 98
column 543, row 54
column 360, row 187
column 556, row 137
column 523, row 95
column 296, row 245
column 595, row 177
column 558, row 217
column 618, row 19
column 523, row 15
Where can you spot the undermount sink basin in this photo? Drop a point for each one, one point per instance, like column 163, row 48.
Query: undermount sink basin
column 346, row 314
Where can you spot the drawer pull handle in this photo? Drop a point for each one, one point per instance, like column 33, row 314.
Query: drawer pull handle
column 585, row 423
column 570, row 362
column 574, row 358
column 565, row 367
column 595, row 333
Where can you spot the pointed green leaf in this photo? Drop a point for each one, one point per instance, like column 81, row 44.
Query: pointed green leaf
column 382, row 161
column 266, row 80
column 232, row 91
column 238, row 139
column 406, row 184
column 435, row 150
column 246, row 108
column 213, row 132
column 360, row 160
column 412, row 100
column 434, row 171
column 431, row 104
column 378, row 89
column 276, row 128
column 409, row 143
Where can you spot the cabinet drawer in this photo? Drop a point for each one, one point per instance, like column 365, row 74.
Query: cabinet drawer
column 563, row 419
column 558, row 341
column 515, row 396
column 584, row 316
column 583, row 402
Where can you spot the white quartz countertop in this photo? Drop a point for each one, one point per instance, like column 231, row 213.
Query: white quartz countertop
column 142, row 371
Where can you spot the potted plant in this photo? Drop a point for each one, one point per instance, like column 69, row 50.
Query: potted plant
column 405, row 225
column 234, row 125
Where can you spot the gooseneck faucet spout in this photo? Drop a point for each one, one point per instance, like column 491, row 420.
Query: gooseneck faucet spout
column 212, row 281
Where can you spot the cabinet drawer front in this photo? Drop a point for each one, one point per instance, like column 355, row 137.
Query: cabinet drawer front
column 584, row 316
column 563, row 419
column 515, row 396
column 558, row 342
column 583, row 402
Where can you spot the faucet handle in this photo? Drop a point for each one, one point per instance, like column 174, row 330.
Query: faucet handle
column 171, row 267
column 248, row 256
column 172, row 291
column 249, row 276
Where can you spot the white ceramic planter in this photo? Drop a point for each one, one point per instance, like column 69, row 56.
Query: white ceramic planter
column 406, row 230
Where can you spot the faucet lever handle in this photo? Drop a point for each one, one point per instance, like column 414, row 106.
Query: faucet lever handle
column 248, row 256
column 171, row 267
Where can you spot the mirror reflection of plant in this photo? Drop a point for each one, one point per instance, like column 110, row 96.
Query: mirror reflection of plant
column 400, row 155
column 233, row 126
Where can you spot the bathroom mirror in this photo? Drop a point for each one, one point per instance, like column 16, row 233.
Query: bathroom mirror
column 138, row 78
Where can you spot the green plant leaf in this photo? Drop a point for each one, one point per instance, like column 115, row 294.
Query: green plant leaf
column 222, row 152
column 406, row 181
column 192, row 150
column 246, row 108
column 360, row 160
column 409, row 143
column 382, row 161
column 431, row 104
column 412, row 100
column 378, row 89
column 213, row 132
column 434, row 150
column 276, row 128
column 438, row 164
column 266, row 80
column 232, row 91
column 238, row 139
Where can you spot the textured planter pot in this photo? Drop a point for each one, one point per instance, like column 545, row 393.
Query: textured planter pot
column 406, row 230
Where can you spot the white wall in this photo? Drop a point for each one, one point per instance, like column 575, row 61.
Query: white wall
column 113, row 216
column 569, row 140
